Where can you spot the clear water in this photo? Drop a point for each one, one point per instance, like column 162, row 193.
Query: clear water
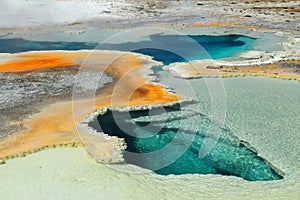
column 265, row 109
column 165, row 48
column 16, row 45
column 228, row 157
column 182, row 48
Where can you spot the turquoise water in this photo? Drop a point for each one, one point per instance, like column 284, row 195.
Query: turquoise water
column 182, row 48
column 165, row 48
column 228, row 157
column 267, row 110
column 16, row 45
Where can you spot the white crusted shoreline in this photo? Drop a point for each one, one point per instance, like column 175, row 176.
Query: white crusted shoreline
column 207, row 68
column 102, row 147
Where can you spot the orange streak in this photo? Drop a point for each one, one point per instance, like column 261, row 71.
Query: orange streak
column 31, row 62
column 26, row 62
column 200, row 24
column 54, row 124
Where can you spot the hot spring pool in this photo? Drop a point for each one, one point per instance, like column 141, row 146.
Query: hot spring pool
column 230, row 156
column 262, row 111
column 157, row 142
column 214, row 47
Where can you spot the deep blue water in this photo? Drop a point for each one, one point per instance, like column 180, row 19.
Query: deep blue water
column 180, row 48
column 228, row 157
column 165, row 48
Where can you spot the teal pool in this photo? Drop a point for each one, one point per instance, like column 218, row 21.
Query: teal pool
column 230, row 155
column 185, row 47
column 162, row 143
column 262, row 111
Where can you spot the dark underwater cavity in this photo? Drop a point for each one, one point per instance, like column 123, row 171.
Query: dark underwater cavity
column 185, row 48
column 228, row 157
